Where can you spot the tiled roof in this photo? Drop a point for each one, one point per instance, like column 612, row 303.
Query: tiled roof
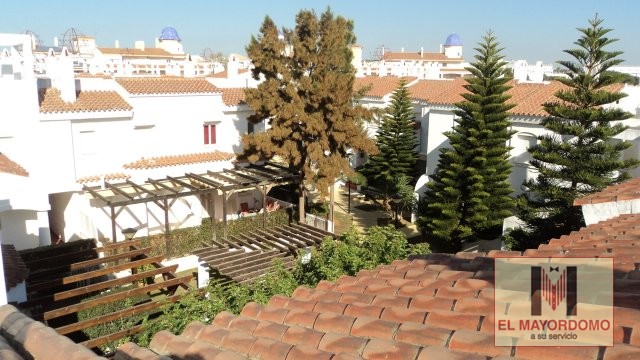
column 166, row 85
column 108, row 177
column 173, row 160
column 438, row 306
column 528, row 98
column 426, row 56
column 232, row 96
column 628, row 190
column 86, row 101
column 24, row 338
column 223, row 74
column 11, row 167
column 438, row 91
column 96, row 76
column 15, row 271
column 380, row 85
column 133, row 52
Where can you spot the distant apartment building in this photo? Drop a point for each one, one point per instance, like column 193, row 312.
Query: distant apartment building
column 166, row 57
column 445, row 64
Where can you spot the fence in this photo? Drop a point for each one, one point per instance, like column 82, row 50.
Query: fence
column 319, row 222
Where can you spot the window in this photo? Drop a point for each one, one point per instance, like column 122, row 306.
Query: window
column 209, row 134
column 250, row 127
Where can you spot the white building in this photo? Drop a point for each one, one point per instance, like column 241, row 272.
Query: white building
column 167, row 57
column 60, row 131
column 434, row 103
column 445, row 64
column 523, row 72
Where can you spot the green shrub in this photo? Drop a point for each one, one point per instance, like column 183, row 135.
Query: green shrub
column 115, row 325
column 347, row 255
column 352, row 252
column 183, row 241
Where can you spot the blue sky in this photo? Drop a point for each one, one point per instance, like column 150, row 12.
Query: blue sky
column 531, row 30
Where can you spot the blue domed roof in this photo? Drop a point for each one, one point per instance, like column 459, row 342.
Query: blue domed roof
column 453, row 40
column 169, row 33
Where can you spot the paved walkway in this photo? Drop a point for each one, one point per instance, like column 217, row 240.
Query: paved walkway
column 365, row 213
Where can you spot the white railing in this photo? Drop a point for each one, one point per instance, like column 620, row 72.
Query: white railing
column 319, row 222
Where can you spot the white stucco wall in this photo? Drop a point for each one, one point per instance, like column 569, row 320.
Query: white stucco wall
column 594, row 213
column 439, row 121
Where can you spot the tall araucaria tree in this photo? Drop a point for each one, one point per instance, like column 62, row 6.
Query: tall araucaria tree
column 397, row 142
column 469, row 192
column 307, row 96
column 579, row 157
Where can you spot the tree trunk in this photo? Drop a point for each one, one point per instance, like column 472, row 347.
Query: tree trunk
column 301, row 203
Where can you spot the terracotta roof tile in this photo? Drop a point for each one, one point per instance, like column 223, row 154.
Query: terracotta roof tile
column 380, row 85
column 445, row 92
column 628, row 190
column 15, row 271
column 174, row 160
column 95, row 76
column 107, row 177
column 166, row 85
column 232, row 96
column 425, row 56
column 9, row 166
column 147, row 52
column 86, row 101
column 528, row 98
column 24, row 338
column 223, row 74
column 447, row 312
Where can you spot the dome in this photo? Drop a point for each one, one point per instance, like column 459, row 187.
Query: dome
column 453, row 40
column 169, row 33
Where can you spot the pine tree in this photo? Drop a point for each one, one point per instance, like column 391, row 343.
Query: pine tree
column 397, row 142
column 307, row 96
column 469, row 192
column 579, row 157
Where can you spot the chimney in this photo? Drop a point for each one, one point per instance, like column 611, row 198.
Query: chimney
column 139, row 44
column 441, row 49
column 55, row 41
column 402, row 49
column 421, row 51
column 60, row 70
column 157, row 42
column 117, row 44
column 232, row 67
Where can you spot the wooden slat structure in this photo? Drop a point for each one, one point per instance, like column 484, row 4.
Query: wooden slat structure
column 165, row 192
column 245, row 257
column 59, row 285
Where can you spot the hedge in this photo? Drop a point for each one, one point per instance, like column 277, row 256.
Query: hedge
column 183, row 241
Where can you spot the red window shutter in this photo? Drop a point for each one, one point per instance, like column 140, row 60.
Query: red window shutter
column 206, row 134
column 213, row 134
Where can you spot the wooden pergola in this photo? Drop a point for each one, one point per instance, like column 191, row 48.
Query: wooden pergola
column 247, row 256
column 165, row 192
column 64, row 280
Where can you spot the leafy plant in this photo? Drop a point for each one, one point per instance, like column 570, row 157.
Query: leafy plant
column 347, row 255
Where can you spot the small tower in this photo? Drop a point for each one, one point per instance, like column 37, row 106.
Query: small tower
column 170, row 41
column 452, row 47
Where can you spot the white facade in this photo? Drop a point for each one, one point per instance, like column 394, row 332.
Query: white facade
column 445, row 64
column 166, row 58
column 69, row 131
column 437, row 118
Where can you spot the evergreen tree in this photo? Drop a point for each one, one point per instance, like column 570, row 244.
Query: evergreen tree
column 397, row 142
column 469, row 192
column 307, row 96
column 579, row 157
